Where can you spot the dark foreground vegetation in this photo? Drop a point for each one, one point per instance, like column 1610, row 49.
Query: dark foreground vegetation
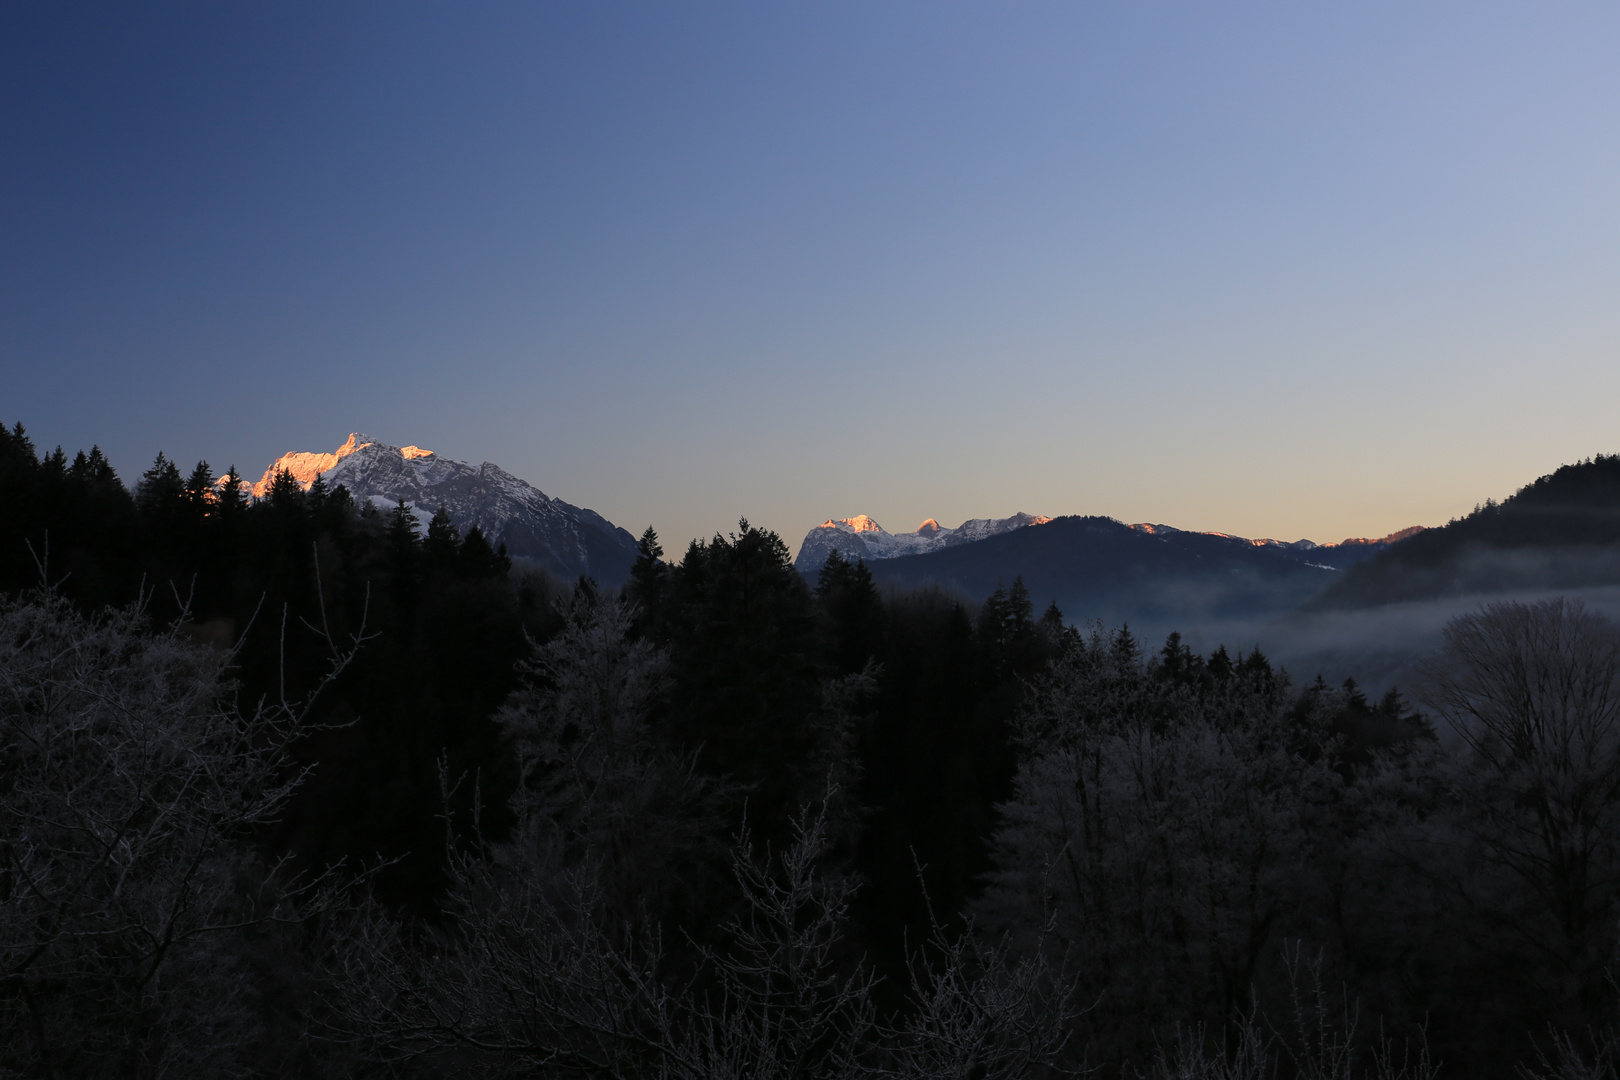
column 290, row 790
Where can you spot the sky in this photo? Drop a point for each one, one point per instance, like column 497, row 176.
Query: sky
column 1290, row 270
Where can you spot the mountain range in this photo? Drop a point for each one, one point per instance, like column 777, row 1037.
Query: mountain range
column 1154, row 577
column 563, row 538
column 1559, row 533
column 861, row 537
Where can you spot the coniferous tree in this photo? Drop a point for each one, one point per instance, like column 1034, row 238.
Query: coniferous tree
column 160, row 486
column 231, row 496
column 443, row 543
column 648, row 587
column 748, row 674
column 475, row 559
column 404, row 541
column 200, row 490
column 285, row 491
column 850, row 598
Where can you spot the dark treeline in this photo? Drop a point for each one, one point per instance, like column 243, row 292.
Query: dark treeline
column 413, row 810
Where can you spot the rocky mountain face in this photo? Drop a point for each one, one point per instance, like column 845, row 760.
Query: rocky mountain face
column 862, row 538
column 563, row 538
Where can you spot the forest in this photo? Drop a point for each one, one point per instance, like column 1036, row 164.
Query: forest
column 291, row 787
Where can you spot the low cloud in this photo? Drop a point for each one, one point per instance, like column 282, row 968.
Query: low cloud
column 1375, row 646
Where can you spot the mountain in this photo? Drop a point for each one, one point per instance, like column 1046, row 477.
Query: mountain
column 1154, row 577
column 1559, row 533
column 862, row 538
column 1340, row 556
column 554, row 534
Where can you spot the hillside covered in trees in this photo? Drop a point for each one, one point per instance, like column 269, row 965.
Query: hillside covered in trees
column 1561, row 531
column 289, row 788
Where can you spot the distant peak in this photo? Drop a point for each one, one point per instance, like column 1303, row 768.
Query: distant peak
column 859, row 523
column 929, row 527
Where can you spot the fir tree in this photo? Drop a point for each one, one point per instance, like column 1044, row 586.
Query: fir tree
column 476, row 559
column 230, row 498
column 160, row 487
column 200, row 489
column 443, row 543
column 285, row 493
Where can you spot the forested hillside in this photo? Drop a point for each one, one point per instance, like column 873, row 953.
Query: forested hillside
column 290, row 789
column 1560, row 532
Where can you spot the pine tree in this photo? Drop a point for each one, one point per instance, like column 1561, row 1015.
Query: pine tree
column 231, row 498
column 317, row 494
column 200, row 489
column 743, row 638
column 160, row 487
column 476, row 559
column 443, row 543
column 404, row 547
column 850, row 599
column 284, row 493
column 649, row 584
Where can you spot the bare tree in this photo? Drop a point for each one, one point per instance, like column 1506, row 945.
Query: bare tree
column 1167, row 832
column 979, row 1011
column 600, row 782
column 130, row 782
column 1533, row 691
column 532, row 975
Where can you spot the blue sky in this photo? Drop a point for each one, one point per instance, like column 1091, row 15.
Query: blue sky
column 1280, row 270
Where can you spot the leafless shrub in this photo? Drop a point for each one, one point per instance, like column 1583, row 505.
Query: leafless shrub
column 1562, row 1059
column 1319, row 1041
column 1250, row 1056
column 979, row 1011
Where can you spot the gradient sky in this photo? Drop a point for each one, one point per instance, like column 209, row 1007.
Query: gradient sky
column 1291, row 270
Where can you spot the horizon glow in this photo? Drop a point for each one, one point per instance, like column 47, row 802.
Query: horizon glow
column 1264, row 270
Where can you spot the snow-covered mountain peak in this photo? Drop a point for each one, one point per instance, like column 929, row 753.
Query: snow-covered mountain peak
column 508, row 510
column 859, row 523
column 860, row 537
column 305, row 466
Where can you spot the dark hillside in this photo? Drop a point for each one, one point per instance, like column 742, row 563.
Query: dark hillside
column 1096, row 567
column 1560, row 532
